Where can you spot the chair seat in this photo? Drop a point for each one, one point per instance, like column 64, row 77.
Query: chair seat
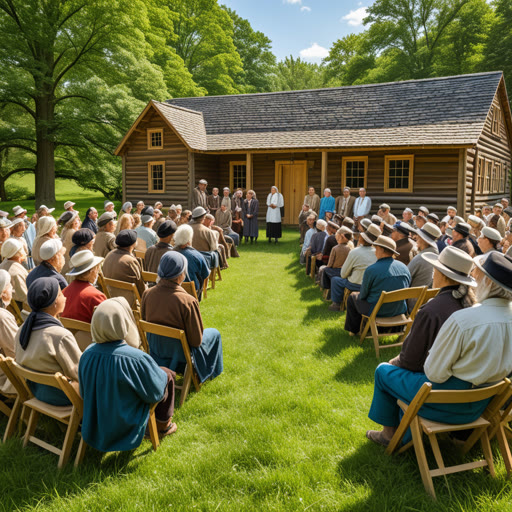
column 392, row 321
column 59, row 412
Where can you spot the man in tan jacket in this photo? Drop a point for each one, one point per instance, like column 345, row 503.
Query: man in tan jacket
column 204, row 239
column 122, row 265
column 199, row 195
column 105, row 240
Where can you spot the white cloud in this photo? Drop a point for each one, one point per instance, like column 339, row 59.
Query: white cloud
column 355, row 18
column 315, row 51
column 292, row 1
column 305, row 8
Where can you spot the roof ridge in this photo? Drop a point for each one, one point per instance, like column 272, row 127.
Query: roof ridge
column 380, row 84
column 178, row 107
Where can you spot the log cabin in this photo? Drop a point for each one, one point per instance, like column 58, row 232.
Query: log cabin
column 434, row 142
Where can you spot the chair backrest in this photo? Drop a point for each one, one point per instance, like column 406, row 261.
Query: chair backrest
column 190, row 288
column 140, row 245
column 398, row 295
column 113, row 284
column 139, row 254
column 103, row 286
column 149, row 277
column 75, row 325
column 6, row 367
column 15, row 310
column 430, row 293
column 142, row 334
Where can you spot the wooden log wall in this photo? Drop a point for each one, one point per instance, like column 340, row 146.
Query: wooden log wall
column 137, row 156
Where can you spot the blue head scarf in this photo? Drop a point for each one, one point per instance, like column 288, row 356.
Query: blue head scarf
column 172, row 265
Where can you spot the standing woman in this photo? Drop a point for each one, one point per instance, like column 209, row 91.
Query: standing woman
column 275, row 202
column 72, row 224
column 250, row 209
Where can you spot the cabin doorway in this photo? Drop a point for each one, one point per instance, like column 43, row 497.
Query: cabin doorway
column 291, row 180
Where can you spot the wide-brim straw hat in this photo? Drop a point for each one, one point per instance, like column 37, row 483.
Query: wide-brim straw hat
column 387, row 243
column 454, row 263
column 430, row 233
column 82, row 261
column 372, row 233
column 498, row 268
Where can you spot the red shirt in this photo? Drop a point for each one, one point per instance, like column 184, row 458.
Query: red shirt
column 81, row 299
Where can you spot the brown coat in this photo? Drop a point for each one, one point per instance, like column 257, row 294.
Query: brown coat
column 154, row 254
column 8, row 330
column 204, row 238
column 404, row 247
column 313, row 202
column 349, row 208
column 214, row 204
column 465, row 245
column 103, row 244
column 18, row 275
column 169, row 304
column 338, row 256
column 123, row 266
column 199, row 198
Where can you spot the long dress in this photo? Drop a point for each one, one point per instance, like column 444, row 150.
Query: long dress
column 274, row 215
column 250, row 224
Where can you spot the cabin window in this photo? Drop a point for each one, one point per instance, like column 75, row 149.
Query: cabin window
column 237, row 175
column 353, row 172
column 489, row 165
column 480, row 175
column 502, row 180
column 156, row 177
column 496, row 120
column 398, row 173
column 156, row 138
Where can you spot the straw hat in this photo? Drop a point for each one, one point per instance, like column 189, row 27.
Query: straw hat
column 384, row 206
column 5, row 222
column 423, row 209
column 372, row 233
column 68, row 204
column 498, row 268
column 387, row 243
column 366, row 223
column 18, row 210
column 430, row 233
column 454, row 263
column 82, row 261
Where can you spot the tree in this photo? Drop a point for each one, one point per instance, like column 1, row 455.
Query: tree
column 254, row 49
column 49, row 49
column 295, row 74
column 204, row 40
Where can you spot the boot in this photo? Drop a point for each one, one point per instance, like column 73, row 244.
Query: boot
column 335, row 306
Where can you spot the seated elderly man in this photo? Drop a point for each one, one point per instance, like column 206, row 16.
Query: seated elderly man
column 405, row 247
column 8, row 329
column 119, row 383
column 330, row 241
column 154, row 253
column 337, row 257
column 169, row 304
column 303, row 222
column 317, row 244
column 222, row 243
column 311, row 222
column 145, row 230
column 204, row 239
column 408, row 216
column 473, row 348
column 386, row 274
column 385, row 214
column 105, row 240
column 224, row 219
column 197, row 268
column 352, row 271
column 488, row 240
column 13, row 254
column 122, row 265
column 52, row 255
column 460, row 238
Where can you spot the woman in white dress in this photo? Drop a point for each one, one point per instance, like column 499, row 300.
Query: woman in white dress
column 275, row 202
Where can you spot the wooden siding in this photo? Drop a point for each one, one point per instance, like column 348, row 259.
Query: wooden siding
column 136, row 157
column 207, row 168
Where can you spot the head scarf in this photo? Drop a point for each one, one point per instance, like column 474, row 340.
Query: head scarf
column 5, row 279
column 42, row 293
column 110, row 321
column 80, row 238
column 172, row 265
column 45, row 225
column 126, row 206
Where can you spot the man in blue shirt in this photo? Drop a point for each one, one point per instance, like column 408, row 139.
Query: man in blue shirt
column 386, row 274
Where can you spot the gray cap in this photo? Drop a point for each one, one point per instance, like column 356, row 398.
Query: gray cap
column 491, row 234
column 199, row 211
column 105, row 218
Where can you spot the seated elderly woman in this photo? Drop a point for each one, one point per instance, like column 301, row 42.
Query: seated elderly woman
column 43, row 344
column 472, row 348
column 8, row 328
column 14, row 255
column 81, row 295
column 46, row 229
column 197, row 267
column 118, row 384
column 169, row 304
column 52, row 256
column 71, row 222
column 83, row 240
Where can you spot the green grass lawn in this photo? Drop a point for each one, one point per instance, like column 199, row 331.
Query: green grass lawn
column 283, row 428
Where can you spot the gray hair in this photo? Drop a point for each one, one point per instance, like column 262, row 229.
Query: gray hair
column 183, row 236
column 209, row 216
column 488, row 289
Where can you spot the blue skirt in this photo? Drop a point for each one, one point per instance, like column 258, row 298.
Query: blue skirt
column 207, row 358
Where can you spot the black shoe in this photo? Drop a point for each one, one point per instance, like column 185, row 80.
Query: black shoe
column 270, row 240
column 275, row 241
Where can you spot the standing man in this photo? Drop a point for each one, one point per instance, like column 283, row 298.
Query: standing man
column 199, row 196
column 362, row 206
column 312, row 200
column 345, row 203
column 303, row 217
column 214, row 201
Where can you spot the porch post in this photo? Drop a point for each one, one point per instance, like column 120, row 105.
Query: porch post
column 248, row 168
column 323, row 179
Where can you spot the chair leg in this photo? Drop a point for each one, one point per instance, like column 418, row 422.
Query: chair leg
column 80, row 453
column 205, row 287
column 486, row 448
column 364, row 331
column 437, row 452
column 375, row 336
column 74, row 423
column 212, row 278
column 419, row 449
column 153, row 431
column 4, row 408
column 504, row 449
column 187, row 379
column 13, row 419
column 219, row 274
column 31, row 426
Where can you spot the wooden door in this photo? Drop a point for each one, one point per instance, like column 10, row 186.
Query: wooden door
column 291, row 178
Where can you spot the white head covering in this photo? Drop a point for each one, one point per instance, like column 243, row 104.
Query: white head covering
column 113, row 320
column 11, row 247
column 45, row 225
column 5, row 279
column 49, row 249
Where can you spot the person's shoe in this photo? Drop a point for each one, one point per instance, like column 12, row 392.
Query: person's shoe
column 377, row 437
column 335, row 306
column 270, row 240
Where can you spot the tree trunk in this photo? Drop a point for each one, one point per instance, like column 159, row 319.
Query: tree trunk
column 45, row 166
column 3, row 195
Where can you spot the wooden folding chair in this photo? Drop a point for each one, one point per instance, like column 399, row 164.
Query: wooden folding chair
column 419, row 425
column 75, row 325
column 12, row 413
column 343, row 305
column 15, row 310
column 373, row 322
column 144, row 342
column 149, row 277
column 313, row 267
column 102, row 285
column 190, row 374
column 205, row 287
column 190, row 288
column 70, row 415
column 430, row 293
column 139, row 254
column 140, row 245
column 114, row 284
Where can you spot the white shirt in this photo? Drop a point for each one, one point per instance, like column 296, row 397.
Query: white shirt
column 357, row 261
column 362, row 206
column 474, row 345
column 274, row 214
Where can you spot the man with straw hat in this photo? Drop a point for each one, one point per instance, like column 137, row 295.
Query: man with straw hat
column 402, row 232
column 386, row 274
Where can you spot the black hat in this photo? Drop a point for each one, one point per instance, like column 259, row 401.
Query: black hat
column 126, row 238
column 463, row 228
column 82, row 236
column 404, row 227
column 497, row 267
column 166, row 229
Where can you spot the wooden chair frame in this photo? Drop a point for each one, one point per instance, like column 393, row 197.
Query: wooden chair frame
column 75, row 325
column 149, row 277
column 69, row 415
column 312, row 270
column 139, row 254
column 190, row 374
column 140, row 245
column 189, row 287
column 343, row 305
column 143, row 339
column 123, row 285
column 373, row 322
column 419, row 425
column 103, row 286
column 15, row 310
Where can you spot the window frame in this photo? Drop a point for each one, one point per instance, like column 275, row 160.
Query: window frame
column 151, row 190
column 150, row 131
column 489, row 166
column 496, row 120
column 344, row 161
column 480, row 175
column 232, row 165
column 387, row 159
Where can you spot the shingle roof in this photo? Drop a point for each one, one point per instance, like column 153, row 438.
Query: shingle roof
column 437, row 111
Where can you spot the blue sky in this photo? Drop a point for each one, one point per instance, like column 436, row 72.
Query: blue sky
column 302, row 28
